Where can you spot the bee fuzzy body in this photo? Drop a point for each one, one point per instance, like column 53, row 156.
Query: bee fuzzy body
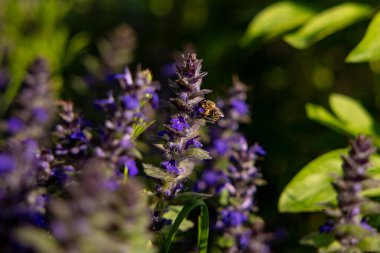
column 210, row 111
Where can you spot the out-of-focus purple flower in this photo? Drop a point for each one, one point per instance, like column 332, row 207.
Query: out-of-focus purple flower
column 41, row 114
column 221, row 146
column 258, row 150
column 131, row 102
column 327, row 227
column 243, row 240
column 179, row 123
column 33, row 107
column 131, row 166
column 233, row 218
column 21, row 199
column 15, row 125
column 240, row 106
column 7, row 163
column 170, row 166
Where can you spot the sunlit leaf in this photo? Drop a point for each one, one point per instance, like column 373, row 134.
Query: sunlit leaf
column 156, row 172
column 37, row 239
column 370, row 243
column 197, row 153
column 172, row 214
column 352, row 114
column 318, row 240
column 203, row 225
column 324, row 117
column 369, row 48
column 328, row 22
column 311, row 187
column 276, row 20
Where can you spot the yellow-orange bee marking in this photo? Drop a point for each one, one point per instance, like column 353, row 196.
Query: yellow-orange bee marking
column 210, row 111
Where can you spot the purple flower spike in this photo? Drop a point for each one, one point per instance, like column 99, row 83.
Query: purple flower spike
column 179, row 123
column 124, row 113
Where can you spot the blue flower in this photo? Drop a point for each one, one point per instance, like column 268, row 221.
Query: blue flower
column 15, row 125
column 132, row 167
column 131, row 102
column 240, row 106
column 327, row 227
column 7, row 163
column 41, row 114
column 233, row 218
column 243, row 240
column 258, row 150
column 193, row 142
column 78, row 135
column 221, row 146
column 170, row 166
column 179, row 123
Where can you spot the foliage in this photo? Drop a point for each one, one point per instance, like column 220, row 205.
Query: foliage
column 281, row 18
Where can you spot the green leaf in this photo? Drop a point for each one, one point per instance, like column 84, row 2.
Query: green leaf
column 203, row 229
column 226, row 241
column 155, row 172
column 350, row 118
column 172, row 214
column 37, row 239
column 328, row 22
column 139, row 127
column 203, row 226
column 318, row 240
column 276, row 20
column 311, row 187
column 75, row 46
column 324, row 117
column 369, row 47
column 197, row 153
column 370, row 244
column 188, row 197
column 352, row 114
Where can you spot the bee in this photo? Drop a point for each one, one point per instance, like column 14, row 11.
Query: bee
column 210, row 111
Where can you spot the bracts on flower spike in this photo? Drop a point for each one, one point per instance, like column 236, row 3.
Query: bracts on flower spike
column 181, row 137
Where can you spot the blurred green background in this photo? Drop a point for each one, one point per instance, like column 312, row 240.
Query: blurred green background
column 75, row 37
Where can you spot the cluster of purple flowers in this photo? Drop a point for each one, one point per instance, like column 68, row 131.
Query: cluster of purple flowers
column 22, row 200
column 234, row 177
column 32, row 109
column 348, row 221
column 92, row 217
column 71, row 148
column 64, row 190
column 125, row 119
